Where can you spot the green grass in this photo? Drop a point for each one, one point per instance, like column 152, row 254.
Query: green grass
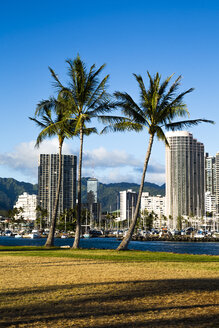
column 107, row 255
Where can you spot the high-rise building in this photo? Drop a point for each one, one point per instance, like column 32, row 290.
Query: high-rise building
column 210, row 174
column 184, row 176
column 48, row 170
column 217, row 185
column 28, row 204
column 93, row 205
column 128, row 201
column 92, row 187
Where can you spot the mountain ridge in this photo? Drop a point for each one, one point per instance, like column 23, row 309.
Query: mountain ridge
column 11, row 188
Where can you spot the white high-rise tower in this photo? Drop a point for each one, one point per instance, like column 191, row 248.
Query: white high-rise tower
column 184, row 176
column 210, row 174
column 217, row 186
column 128, row 201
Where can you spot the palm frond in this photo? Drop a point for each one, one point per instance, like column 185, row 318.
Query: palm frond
column 88, row 131
column 123, row 126
column 107, row 119
column 185, row 124
column 167, row 98
column 161, row 135
column 98, row 95
column 129, row 107
column 164, row 85
column 143, row 91
column 57, row 84
column 45, row 105
column 40, row 124
column 105, row 107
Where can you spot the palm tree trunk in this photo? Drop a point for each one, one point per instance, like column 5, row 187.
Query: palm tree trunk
column 78, row 223
column 50, row 238
column 124, row 244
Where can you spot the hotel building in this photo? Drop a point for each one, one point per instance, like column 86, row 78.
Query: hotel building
column 128, row 201
column 28, row 204
column 153, row 203
column 217, row 186
column 184, row 176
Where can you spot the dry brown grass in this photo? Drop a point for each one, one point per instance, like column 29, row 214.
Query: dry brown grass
column 65, row 292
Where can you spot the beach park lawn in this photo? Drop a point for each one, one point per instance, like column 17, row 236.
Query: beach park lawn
column 106, row 288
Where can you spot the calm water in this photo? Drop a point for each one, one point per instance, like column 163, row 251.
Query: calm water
column 112, row 243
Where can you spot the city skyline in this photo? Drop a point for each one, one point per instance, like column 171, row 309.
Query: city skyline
column 29, row 45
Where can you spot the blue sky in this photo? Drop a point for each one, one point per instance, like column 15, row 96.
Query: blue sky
column 168, row 37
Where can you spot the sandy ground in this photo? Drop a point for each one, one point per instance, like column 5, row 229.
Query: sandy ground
column 64, row 292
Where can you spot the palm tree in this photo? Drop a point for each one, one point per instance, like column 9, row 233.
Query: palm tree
column 87, row 99
column 159, row 106
column 41, row 214
column 50, row 114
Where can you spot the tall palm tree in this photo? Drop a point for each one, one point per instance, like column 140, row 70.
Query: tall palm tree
column 159, row 106
column 50, row 114
column 87, row 99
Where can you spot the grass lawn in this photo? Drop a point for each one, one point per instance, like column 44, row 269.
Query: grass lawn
column 105, row 288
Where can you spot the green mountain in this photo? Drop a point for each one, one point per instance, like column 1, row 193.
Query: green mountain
column 10, row 189
column 108, row 193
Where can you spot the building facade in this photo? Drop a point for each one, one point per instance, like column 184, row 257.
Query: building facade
column 210, row 203
column 184, row 176
column 92, row 190
column 28, row 203
column 153, row 203
column 128, row 201
column 210, row 185
column 48, row 170
column 210, row 174
column 93, row 206
column 217, row 185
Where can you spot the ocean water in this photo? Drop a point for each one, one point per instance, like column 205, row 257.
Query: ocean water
column 209, row 248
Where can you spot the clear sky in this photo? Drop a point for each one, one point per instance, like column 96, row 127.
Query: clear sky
column 180, row 37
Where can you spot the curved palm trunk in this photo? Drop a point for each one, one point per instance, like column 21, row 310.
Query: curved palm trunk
column 50, row 238
column 78, row 223
column 124, row 244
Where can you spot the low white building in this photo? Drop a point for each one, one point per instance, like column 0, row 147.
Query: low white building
column 210, row 202
column 153, row 203
column 28, row 203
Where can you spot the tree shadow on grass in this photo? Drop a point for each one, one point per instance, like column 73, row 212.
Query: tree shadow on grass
column 111, row 299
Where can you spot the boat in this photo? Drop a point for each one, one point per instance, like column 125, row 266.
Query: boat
column 8, row 233
column 86, row 235
column 64, row 236
column 34, row 235
column 18, row 236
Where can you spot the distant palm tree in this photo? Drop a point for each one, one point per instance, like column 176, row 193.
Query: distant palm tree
column 41, row 214
column 87, row 99
column 50, row 115
column 157, row 111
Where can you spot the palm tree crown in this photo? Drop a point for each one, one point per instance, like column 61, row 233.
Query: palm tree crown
column 86, row 95
column 49, row 116
column 157, row 110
